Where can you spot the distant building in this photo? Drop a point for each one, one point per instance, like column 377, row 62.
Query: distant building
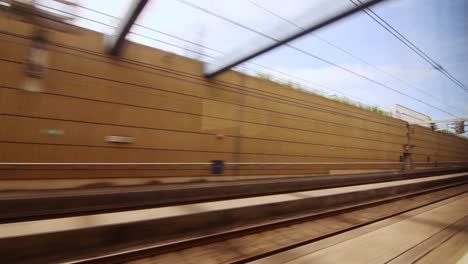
column 411, row 116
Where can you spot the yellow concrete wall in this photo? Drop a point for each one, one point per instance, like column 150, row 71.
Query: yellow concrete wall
column 436, row 146
column 173, row 113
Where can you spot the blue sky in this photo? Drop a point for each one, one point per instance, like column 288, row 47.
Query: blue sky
column 438, row 27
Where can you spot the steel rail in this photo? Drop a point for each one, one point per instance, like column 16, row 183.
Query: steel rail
column 147, row 237
column 148, row 251
column 295, row 245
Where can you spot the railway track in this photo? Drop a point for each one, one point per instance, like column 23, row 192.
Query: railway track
column 273, row 238
column 277, row 222
column 46, row 204
column 435, row 233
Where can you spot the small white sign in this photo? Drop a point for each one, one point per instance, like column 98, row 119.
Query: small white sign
column 119, row 139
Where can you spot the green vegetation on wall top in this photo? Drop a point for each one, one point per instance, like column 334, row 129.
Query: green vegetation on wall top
column 341, row 99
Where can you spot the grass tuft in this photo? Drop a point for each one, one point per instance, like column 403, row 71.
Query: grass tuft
column 341, row 99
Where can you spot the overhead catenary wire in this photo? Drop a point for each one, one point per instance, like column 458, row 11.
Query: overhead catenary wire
column 171, row 44
column 150, row 29
column 114, row 27
column 214, row 50
column 269, row 68
column 194, row 43
column 379, row 20
column 131, row 32
column 274, row 111
column 311, row 55
column 254, row 95
column 221, row 17
column 253, row 63
column 421, row 53
column 342, row 49
column 149, row 87
column 167, row 43
column 103, row 24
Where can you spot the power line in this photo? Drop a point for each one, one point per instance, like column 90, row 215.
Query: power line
column 96, row 11
column 175, row 37
column 379, row 20
column 152, row 29
column 131, row 32
column 309, row 54
column 220, row 52
column 342, row 49
column 310, row 82
column 317, row 108
column 221, row 17
column 434, row 64
column 72, row 14
column 144, row 86
column 171, row 44
column 421, row 53
column 253, row 63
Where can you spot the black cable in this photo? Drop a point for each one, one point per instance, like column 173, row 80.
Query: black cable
column 96, row 11
column 212, row 57
column 310, row 55
column 269, row 110
column 291, row 76
column 313, row 83
column 410, row 44
column 160, row 40
column 342, row 50
column 72, row 14
column 208, row 48
column 131, row 32
column 179, row 38
column 113, row 26
column 151, row 29
column 170, row 44
column 257, row 64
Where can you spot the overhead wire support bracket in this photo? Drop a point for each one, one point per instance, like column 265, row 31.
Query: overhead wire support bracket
column 235, row 58
column 115, row 42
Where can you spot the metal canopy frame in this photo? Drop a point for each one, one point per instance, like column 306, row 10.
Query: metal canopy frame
column 115, row 42
column 232, row 59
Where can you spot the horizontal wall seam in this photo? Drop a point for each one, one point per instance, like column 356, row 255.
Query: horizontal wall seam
column 190, row 75
column 68, row 53
column 214, row 117
column 182, row 150
column 199, row 97
column 211, row 134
